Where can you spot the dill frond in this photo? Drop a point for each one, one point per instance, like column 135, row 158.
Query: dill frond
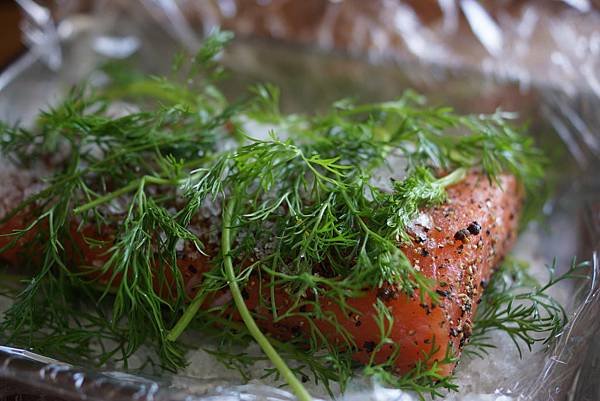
column 517, row 304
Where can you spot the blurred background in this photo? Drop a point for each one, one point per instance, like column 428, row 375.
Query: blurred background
column 555, row 40
column 10, row 45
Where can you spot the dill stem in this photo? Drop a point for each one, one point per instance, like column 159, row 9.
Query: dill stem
column 148, row 179
column 260, row 338
column 452, row 178
column 370, row 107
column 151, row 89
column 187, row 316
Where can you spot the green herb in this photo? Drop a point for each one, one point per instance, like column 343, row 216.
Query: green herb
column 419, row 190
column 240, row 303
column 517, row 304
column 298, row 209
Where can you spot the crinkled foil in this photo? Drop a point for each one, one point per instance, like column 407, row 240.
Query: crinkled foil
column 538, row 58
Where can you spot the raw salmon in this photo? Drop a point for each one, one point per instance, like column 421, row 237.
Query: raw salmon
column 457, row 244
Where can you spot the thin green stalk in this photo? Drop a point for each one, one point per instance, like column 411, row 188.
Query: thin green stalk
column 122, row 191
column 187, row 316
column 260, row 338
column 151, row 89
column 453, row 178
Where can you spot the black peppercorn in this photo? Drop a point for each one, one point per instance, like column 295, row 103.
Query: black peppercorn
column 474, row 228
column 461, row 235
column 369, row 346
column 386, row 293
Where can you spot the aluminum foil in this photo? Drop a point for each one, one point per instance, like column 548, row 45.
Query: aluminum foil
column 540, row 59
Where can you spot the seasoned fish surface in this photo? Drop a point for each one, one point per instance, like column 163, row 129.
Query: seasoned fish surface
column 456, row 244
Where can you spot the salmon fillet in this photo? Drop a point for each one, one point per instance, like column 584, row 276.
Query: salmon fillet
column 456, row 244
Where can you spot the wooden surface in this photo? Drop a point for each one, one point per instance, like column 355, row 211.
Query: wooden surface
column 10, row 35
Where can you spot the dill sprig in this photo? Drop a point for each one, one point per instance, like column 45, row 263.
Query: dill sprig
column 298, row 208
column 419, row 190
column 517, row 304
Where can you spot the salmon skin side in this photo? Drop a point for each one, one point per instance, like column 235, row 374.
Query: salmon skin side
column 456, row 244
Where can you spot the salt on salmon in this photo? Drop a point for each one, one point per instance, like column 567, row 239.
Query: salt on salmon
column 456, row 244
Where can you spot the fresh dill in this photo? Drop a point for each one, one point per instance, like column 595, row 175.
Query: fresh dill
column 298, row 209
column 520, row 306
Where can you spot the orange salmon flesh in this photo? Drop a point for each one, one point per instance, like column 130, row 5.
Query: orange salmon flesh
column 457, row 244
